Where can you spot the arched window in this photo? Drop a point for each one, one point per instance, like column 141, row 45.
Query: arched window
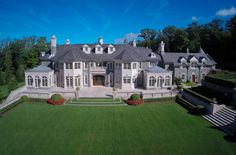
column 167, row 81
column 160, row 81
column 45, row 81
column 152, row 81
column 30, row 80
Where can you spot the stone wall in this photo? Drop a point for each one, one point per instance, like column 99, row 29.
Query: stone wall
column 211, row 108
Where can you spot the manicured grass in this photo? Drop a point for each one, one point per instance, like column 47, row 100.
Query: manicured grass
column 95, row 101
column 189, row 84
column 164, row 128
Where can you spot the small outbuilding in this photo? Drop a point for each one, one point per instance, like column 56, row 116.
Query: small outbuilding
column 157, row 77
column 39, row 77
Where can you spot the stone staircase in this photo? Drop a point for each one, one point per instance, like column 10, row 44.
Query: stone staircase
column 225, row 119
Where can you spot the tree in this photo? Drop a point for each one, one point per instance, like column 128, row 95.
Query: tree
column 176, row 39
column 148, row 35
column 7, row 65
column 12, row 85
column 194, row 31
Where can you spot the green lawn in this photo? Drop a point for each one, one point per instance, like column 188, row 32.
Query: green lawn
column 163, row 128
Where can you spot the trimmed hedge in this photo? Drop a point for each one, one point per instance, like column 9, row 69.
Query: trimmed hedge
column 199, row 95
column 56, row 99
column 222, row 82
column 153, row 100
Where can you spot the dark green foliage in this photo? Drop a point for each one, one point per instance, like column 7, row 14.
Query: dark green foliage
column 222, row 82
column 12, row 85
column 56, row 97
column 24, row 98
column 135, row 97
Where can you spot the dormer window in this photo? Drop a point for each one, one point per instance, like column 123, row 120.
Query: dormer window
column 86, row 49
column 110, row 49
column 152, row 55
column 98, row 49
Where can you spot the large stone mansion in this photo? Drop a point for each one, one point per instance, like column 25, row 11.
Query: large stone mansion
column 122, row 66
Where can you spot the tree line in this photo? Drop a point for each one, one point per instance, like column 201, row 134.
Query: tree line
column 217, row 38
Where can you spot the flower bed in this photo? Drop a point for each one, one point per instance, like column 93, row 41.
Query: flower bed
column 56, row 99
column 134, row 102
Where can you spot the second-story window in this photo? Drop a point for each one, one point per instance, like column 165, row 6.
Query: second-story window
column 127, row 66
column 85, row 65
column 69, row 66
column 194, row 64
column 77, row 65
column 152, row 64
column 134, row 65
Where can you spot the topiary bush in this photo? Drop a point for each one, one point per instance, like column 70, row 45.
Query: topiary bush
column 134, row 100
column 135, row 97
column 56, row 99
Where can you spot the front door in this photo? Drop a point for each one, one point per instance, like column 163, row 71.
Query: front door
column 98, row 80
column 193, row 78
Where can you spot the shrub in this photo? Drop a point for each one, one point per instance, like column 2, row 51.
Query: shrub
column 24, row 98
column 135, row 97
column 56, row 99
column 134, row 100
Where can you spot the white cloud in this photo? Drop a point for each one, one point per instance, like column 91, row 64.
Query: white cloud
column 128, row 36
column 194, row 18
column 226, row 12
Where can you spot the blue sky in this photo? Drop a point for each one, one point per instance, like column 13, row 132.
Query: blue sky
column 84, row 21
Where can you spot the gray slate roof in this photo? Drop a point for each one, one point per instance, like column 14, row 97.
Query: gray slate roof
column 156, row 69
column 123, row 52
column 40, row 68
column 174, row 58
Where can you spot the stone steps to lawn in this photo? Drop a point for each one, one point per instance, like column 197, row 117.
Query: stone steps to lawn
column 223, row 119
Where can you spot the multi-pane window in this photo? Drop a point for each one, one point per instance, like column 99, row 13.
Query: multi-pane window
column 44, row 81
column 167, row 81
column 183, row 76
column 69, row 81
column 194, row 64
column 127, row 66
column 69, row 65
column 127, row 79
column 152, row 81
column 77, row 65
column 110, row 65
column 98, row 64
column 85, row 65
column 85, row 79
column 140, row 65
column 77, row 81
column 152, row 64
column 30, row 81
column 134, row 65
